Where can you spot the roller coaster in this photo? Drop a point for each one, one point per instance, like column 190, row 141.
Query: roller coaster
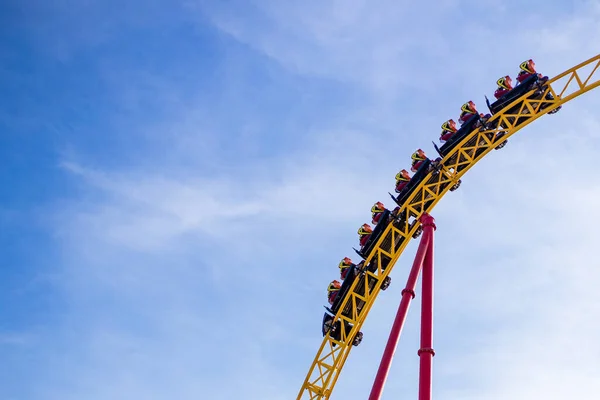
column 511, row 113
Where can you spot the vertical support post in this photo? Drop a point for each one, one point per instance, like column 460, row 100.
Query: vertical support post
column 407, row 295
column 426, row 352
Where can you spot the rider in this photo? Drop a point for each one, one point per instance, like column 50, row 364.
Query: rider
column 418, row 157
column 364, row 232
column 333, row 290
column 527, row 68
column 402, row 179
column 377, row 211
column 504, row 86
column 448, row 130
column 468, row 110
column 345, row 265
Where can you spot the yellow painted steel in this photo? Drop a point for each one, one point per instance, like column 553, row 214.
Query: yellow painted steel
column 332, row 354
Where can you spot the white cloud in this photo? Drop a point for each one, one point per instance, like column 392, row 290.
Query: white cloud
column 516, row 276
column 519, row 183
column 165, row 269
column 15, row 339
column 376, row 45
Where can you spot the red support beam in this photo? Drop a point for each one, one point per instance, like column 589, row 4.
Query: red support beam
column 407, row 295
column 426, row 352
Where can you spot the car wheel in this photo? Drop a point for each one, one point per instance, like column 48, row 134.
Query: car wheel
column 501, row 145
column 357, row 339
column 386, row 283
column 456, row 186
column 557, row 109
column 418, row 232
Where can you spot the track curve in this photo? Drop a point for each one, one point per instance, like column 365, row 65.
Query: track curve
column 332, row 354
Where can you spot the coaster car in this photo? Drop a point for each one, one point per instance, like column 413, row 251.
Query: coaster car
column 534, row 82
column 416, row 179
column 357, row 271
column 335, row 329
column 468, row 127
column 384, row 221
column 477, row 121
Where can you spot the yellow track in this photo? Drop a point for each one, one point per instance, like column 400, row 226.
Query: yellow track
column 329, row 361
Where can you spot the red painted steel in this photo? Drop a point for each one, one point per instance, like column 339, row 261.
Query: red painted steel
column 426, row 352
column 407, row 295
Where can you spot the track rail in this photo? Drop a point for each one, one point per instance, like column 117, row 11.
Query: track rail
column 332, row 354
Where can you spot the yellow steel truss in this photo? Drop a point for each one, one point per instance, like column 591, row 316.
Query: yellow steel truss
column 332, row 353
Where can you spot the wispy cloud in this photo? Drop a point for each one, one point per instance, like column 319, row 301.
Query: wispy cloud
column 14, row 339
column 206, row 212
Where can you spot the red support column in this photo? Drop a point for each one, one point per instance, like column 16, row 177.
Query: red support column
column 407, row 295
column 426, row 352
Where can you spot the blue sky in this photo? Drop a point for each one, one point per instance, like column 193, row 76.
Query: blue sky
column 180, row 180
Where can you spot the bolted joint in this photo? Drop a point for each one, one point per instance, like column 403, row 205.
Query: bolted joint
column 426, row 350
column 427, row 220
column 411, row 292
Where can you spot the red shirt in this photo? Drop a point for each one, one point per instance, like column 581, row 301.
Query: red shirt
column 500, row 92
column 332, row 297
column 344, row 272
column 416, row 165
column 523, row 75
column 465, row 116
column 376, row 218
column 401, row 185
column 363, row 240
column 446, row 135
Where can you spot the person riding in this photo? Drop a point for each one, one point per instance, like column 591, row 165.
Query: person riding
column 345, row 265
column 418, row 157
column 527, row 69
column 332, row 291
column 448, row 130
column 377, row 211
column 402, row 179
column 468, row 111
column 504, row 86
column 364, row 232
